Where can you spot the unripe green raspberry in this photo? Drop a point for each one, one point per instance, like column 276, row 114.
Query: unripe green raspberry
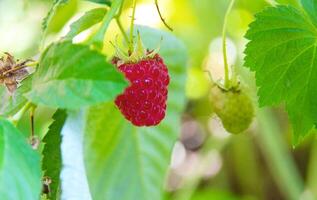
column 233, row 107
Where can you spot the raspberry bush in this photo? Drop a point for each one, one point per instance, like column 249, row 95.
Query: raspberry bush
column 97, row 107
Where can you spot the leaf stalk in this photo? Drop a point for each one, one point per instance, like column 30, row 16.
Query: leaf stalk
column 132, row 26
column 224, row 45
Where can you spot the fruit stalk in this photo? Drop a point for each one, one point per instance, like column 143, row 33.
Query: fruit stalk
column 132, row 26
column 224, row 45
column 118, row 21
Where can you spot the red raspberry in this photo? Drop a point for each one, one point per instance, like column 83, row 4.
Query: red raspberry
column 144, row 101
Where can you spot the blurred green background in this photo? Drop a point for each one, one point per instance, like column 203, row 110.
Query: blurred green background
column 207, row 162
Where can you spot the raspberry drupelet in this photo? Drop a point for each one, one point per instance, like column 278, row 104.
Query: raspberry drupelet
column 144, row 101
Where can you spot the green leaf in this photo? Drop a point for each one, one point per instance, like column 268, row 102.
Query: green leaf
column 311, row 9
column 282, row 52
column 214, row 194
column 89, row 19
column 52, row 161
column 107, row 2
column 72, row 76
column 20, row 172
column 11, row 104
column 51, row 12
column 98, row 38
column 59, row 14
column 126, row 162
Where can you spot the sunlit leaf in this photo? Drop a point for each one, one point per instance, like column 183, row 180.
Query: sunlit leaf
column 20, row 173
column 51, row 12
column 107, row 2
column 72, row 76
column 60, row 12
column 89, row 19
column 282, row 52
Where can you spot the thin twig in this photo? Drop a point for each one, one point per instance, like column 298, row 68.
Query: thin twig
column 132, row 27
column 160, row 14
column 18, row 67
column 118, row 21
column 32, row 119
column 14, row 69
column 125, row 36
column 224, row 45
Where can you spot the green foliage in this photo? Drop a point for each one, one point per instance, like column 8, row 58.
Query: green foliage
column 71, row 76
column 282, row 52
column 11, row 104
column 99, row 37
column 52, row 159
column 59, row 14
column 107, row 2
column 51, row 13
column 20, row 173
column 214, row 195
column 125, row 162
column 89, row 19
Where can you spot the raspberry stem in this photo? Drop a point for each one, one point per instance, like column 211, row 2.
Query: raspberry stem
column 125, row 36
column 224, row 46
column 132, row 27
column 118, row 21
column 32, row 111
